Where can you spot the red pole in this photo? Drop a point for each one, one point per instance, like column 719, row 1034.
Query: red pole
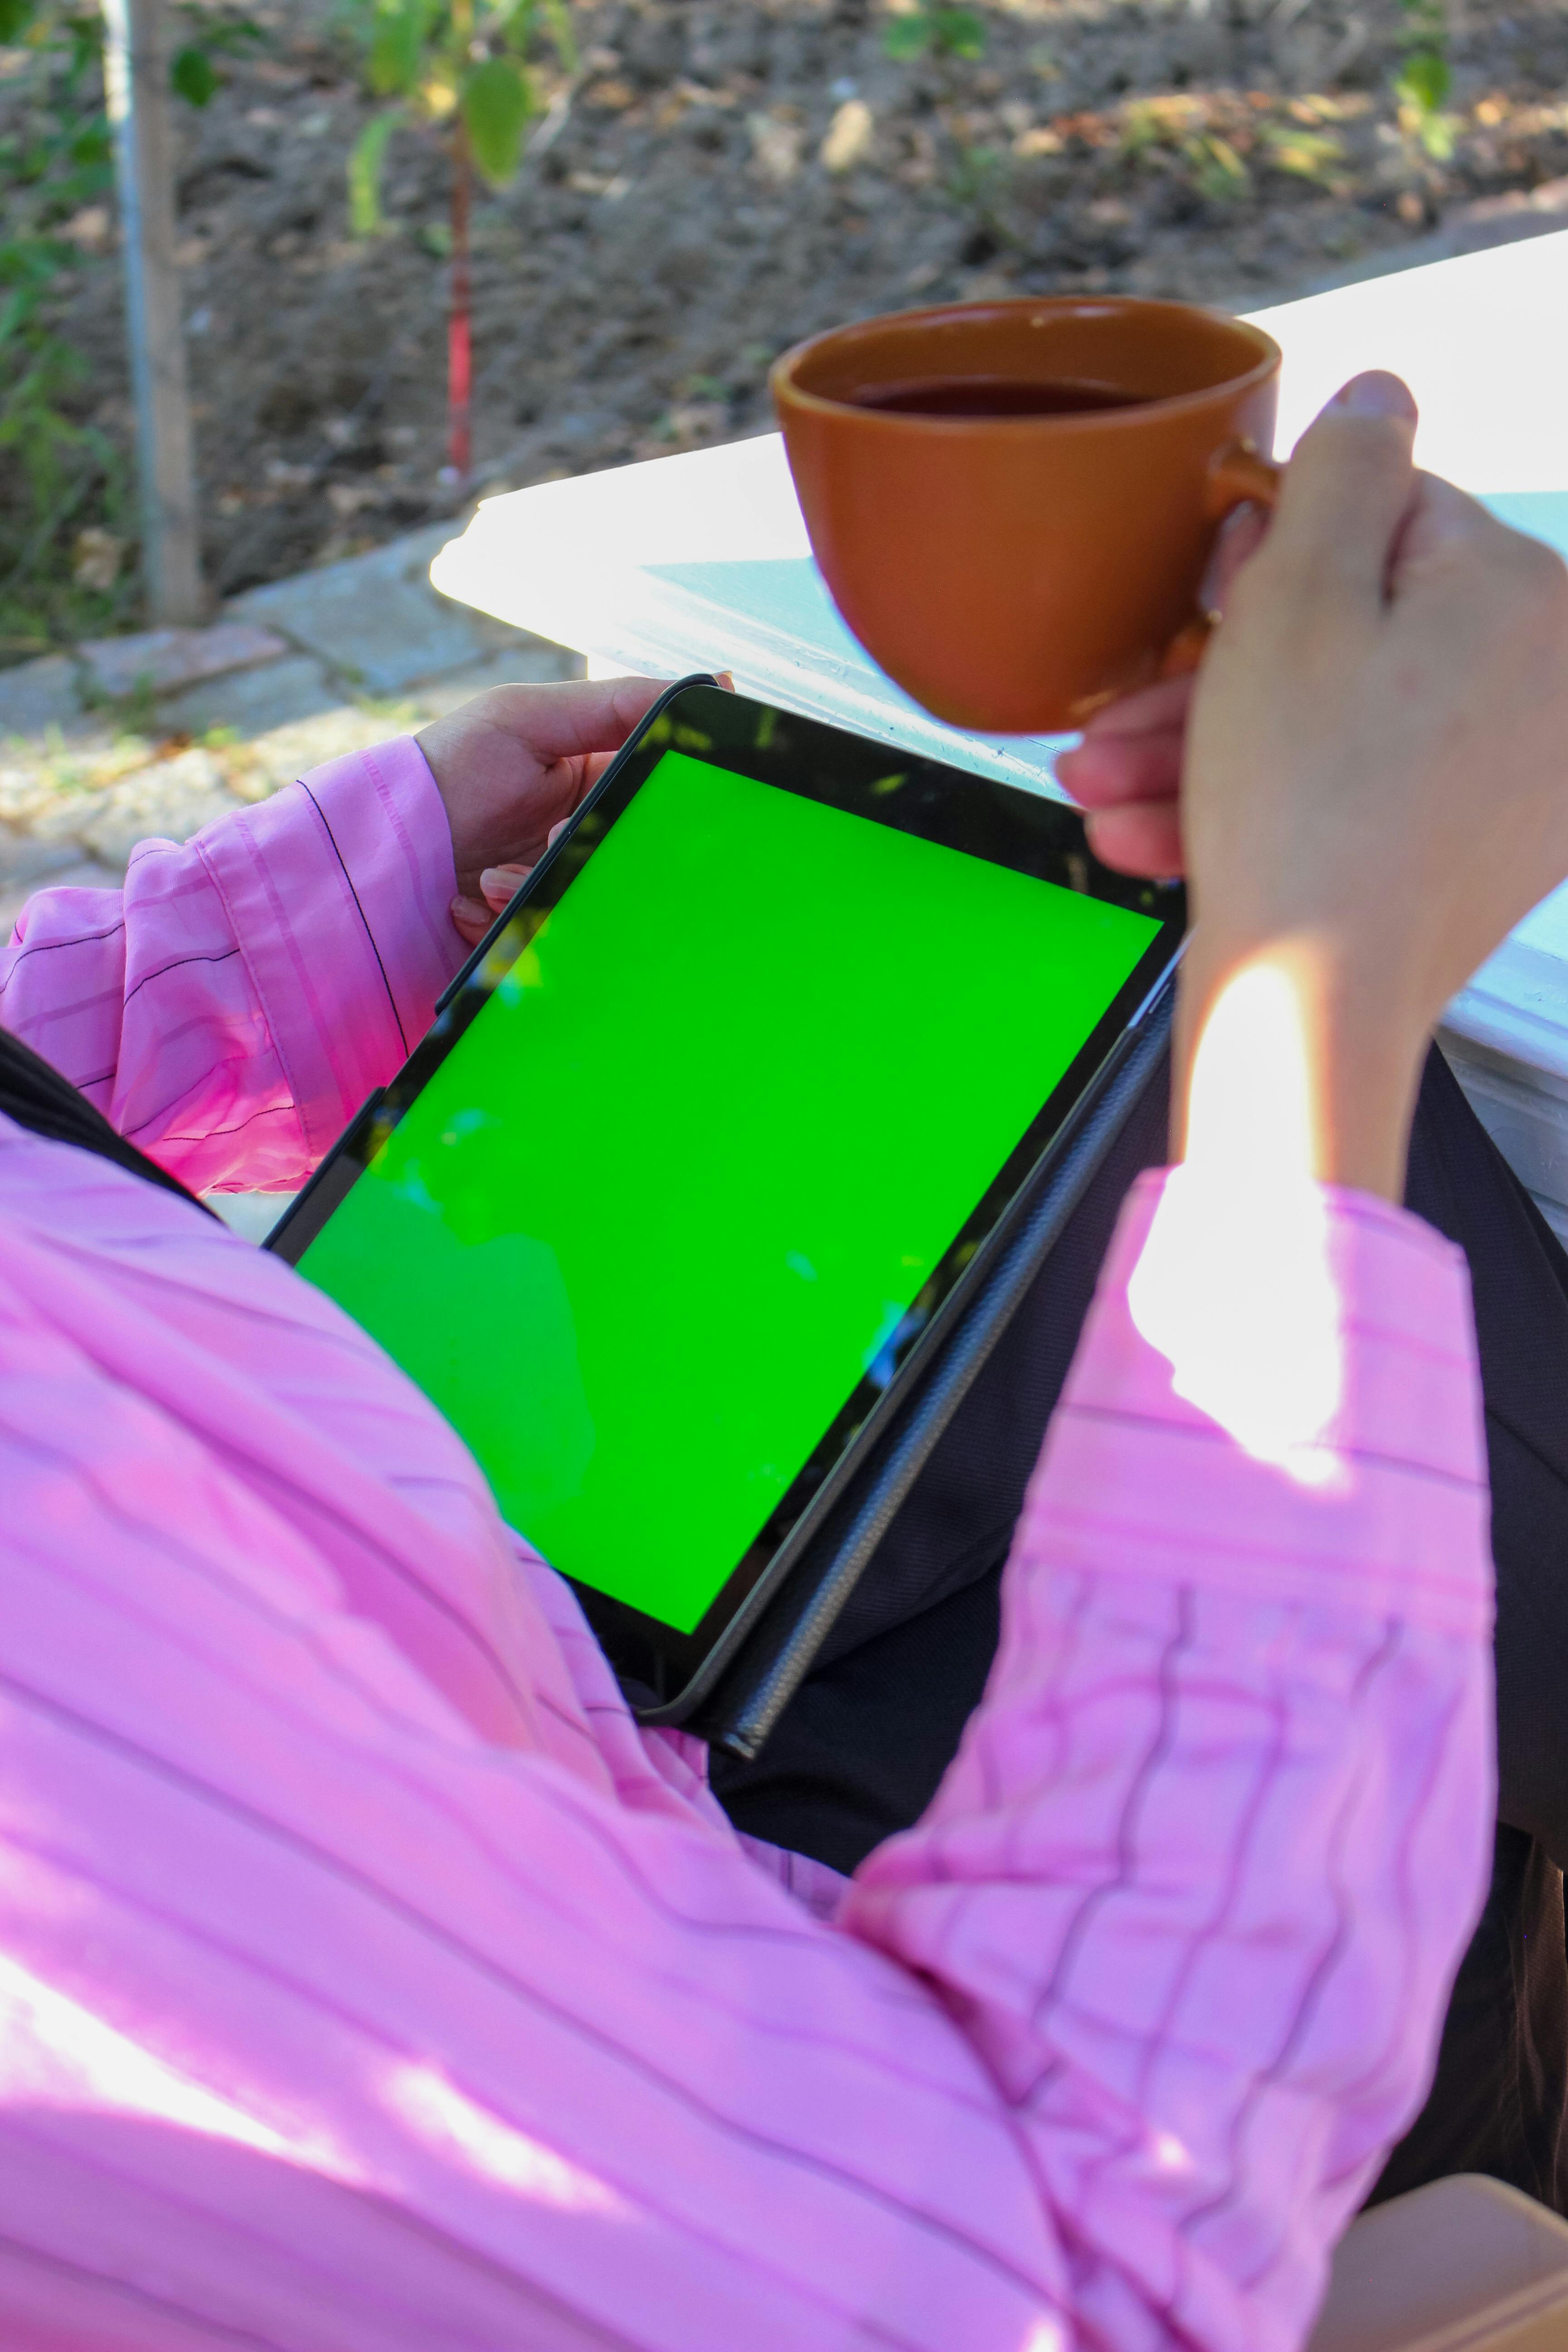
column 459, row 320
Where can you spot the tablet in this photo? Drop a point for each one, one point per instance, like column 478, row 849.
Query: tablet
column 712, row 1137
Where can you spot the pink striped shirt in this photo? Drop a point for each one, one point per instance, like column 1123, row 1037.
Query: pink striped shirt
column 369, row 1983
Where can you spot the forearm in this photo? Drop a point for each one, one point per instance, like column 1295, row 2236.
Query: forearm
column 230, row 1009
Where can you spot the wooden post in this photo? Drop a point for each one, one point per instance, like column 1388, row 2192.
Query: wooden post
column 136, row 78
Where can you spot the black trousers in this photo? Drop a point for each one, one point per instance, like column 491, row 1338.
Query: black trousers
column 860, row 1751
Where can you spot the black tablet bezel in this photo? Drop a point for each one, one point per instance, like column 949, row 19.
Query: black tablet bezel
column 667, row 1671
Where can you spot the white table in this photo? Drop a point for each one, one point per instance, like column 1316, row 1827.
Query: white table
column 700, row 562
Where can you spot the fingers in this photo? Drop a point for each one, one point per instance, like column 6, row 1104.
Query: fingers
column 1150, row 711
column 1144, row 838
column 1131, row 749
column 498, row 885
column 1347, row 499
column 563, row 784
column 1106, row 770
column 1440, row 522
column 563, row 721
column 1347, row 490
column 471, row 918
column 1241, row 534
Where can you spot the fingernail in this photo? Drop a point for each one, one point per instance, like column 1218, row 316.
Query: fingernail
column 1377, row 394
column 502, row 882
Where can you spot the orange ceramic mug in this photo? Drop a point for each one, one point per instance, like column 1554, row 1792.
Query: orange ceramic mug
column 1013, row 571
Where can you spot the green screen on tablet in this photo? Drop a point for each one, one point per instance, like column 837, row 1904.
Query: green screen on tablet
column 713, row 1142
column 671, row 1193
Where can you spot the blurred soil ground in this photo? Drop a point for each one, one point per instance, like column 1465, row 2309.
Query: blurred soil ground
column 724, row 176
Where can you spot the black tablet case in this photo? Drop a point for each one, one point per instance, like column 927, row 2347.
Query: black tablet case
column 752, row 1692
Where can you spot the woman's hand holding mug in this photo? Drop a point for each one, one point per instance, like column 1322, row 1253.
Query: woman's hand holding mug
column 1366, row 784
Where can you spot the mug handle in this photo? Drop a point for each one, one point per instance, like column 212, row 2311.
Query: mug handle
column 1237, row 476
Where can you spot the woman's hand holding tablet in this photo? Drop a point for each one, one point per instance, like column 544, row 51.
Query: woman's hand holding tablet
column 511, row 765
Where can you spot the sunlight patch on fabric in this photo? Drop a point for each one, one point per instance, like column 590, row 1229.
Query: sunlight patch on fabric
column 56, row 2054
column 457, row 2126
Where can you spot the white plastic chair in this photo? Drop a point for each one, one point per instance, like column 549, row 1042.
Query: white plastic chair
column 1463, row 2265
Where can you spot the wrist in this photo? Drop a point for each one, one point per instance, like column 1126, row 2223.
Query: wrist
column 1295, row 1057
column 434, row 744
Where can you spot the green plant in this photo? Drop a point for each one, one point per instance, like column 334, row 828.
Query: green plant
column 458, row 69
column 1217, row 171
column 54, row 472
column 1425, row 80
column 1143, row 127
column 133, row 712
column 192, row 69
column 1176, row 125
column 937, row 32
column 57, row 473
column 1316, row 155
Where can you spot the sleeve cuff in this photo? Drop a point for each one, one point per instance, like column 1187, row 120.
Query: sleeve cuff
column 1381, row 1504
column 340, row 892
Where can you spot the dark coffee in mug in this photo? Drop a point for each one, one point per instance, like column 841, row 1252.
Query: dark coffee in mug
column 992, row 396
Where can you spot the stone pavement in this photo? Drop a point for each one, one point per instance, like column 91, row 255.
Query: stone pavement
column 159, row 734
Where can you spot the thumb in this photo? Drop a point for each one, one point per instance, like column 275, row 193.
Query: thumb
column 562, row 721
column 1347, row 489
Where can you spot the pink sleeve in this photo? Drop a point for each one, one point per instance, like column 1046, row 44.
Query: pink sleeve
column 232, row 1007
column 1198, row 1881
column 327, row 2024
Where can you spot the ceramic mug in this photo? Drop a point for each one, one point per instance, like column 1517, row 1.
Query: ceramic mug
column 1013, row 572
